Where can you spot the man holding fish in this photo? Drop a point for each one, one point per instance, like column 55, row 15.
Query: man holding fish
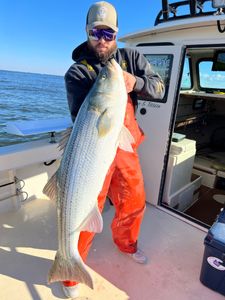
column 102, row 89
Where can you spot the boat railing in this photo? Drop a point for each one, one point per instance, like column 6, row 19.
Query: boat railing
column 188, row 9
column 22, row 164
column 51, row 126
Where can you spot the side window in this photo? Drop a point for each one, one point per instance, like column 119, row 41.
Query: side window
column 212, row 81
column 186, row 83
column 162, row 64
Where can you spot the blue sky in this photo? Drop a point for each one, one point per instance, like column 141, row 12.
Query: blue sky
column 39, row 35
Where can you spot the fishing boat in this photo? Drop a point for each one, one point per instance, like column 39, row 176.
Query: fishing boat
column 183, row 162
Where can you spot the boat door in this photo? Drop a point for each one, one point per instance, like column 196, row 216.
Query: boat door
column 155, row 117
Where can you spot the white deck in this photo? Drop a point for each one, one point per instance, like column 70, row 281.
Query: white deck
column 28, row 242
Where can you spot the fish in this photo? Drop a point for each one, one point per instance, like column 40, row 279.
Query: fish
column 96, row 134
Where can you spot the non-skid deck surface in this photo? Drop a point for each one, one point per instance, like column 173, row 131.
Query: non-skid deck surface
column 28, row 240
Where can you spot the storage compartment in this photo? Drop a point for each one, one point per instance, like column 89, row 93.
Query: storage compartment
column 185, row 197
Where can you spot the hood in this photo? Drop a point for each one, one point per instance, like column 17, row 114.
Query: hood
column 81, row 52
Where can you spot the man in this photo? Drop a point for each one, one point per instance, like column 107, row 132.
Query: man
column 124, row 182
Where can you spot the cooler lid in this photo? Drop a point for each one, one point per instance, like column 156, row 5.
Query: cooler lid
column 216, row 234
column 182, row 146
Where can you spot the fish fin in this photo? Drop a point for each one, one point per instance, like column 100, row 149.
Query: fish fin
column 50, row 188
column 72, row 269
column 104, row 123
column 93, row 222
column 64, row 138
column 126, row 139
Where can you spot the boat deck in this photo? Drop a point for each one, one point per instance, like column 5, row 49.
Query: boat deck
column 28, row 240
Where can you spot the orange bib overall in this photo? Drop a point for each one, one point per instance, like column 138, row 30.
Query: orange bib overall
column 124, row 186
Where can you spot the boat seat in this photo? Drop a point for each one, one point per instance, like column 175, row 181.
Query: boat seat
column 211, row 163
column 210, row 167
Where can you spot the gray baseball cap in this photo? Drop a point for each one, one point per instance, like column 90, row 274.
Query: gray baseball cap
column 102, row 13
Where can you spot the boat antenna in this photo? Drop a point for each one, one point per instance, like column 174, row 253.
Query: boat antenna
column 165, row 10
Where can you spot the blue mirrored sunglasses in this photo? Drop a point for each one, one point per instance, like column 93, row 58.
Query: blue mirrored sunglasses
column 107, row 34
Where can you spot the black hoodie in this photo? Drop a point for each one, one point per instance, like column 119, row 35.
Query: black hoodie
column 81, row 75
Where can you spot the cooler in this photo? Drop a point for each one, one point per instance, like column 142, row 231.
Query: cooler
column 178, row 185
column 213, row 264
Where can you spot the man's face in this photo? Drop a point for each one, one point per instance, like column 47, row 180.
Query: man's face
column 102, row 48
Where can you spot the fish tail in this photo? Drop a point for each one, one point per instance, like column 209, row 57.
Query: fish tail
column 69, row 269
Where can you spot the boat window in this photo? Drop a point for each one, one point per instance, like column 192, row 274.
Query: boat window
column 162, row 64
column 186, row 77
column 212, row 81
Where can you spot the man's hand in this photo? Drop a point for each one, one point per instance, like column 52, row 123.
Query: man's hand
column 130, row 81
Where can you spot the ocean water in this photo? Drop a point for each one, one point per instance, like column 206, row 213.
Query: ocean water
column 29, row 96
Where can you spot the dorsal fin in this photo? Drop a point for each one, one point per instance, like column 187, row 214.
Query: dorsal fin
column 50, row 188
column 64, row 137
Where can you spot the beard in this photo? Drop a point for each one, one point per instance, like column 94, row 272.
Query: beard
column 103, row 57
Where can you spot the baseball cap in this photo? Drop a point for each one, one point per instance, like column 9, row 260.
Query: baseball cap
column 102, row 13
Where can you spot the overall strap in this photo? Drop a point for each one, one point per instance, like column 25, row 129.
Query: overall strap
column 89, row 67
column 123, row 63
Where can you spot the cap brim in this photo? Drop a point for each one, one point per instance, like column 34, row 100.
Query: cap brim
column 99, row 23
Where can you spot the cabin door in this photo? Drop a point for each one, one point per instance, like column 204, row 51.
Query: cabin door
column 155, row 117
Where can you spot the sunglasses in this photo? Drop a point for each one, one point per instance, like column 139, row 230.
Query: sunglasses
column 107, row 34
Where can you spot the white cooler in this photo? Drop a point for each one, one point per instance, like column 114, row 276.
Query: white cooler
column 179, row 189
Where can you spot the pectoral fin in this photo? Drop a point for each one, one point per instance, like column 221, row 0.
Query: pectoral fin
column 126, row 140
column 104, row 124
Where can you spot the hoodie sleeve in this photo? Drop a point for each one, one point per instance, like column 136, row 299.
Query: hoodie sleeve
column 149, row 85
column 78, row 83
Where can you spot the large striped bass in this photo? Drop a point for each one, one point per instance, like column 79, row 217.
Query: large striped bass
column 97, row 132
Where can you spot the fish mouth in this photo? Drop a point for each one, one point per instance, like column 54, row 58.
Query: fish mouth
column 111, row 63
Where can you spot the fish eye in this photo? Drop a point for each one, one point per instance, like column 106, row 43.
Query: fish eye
column 104, row 76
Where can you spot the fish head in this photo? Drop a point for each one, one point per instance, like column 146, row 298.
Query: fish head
column 109, row 87
column 110, row 79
